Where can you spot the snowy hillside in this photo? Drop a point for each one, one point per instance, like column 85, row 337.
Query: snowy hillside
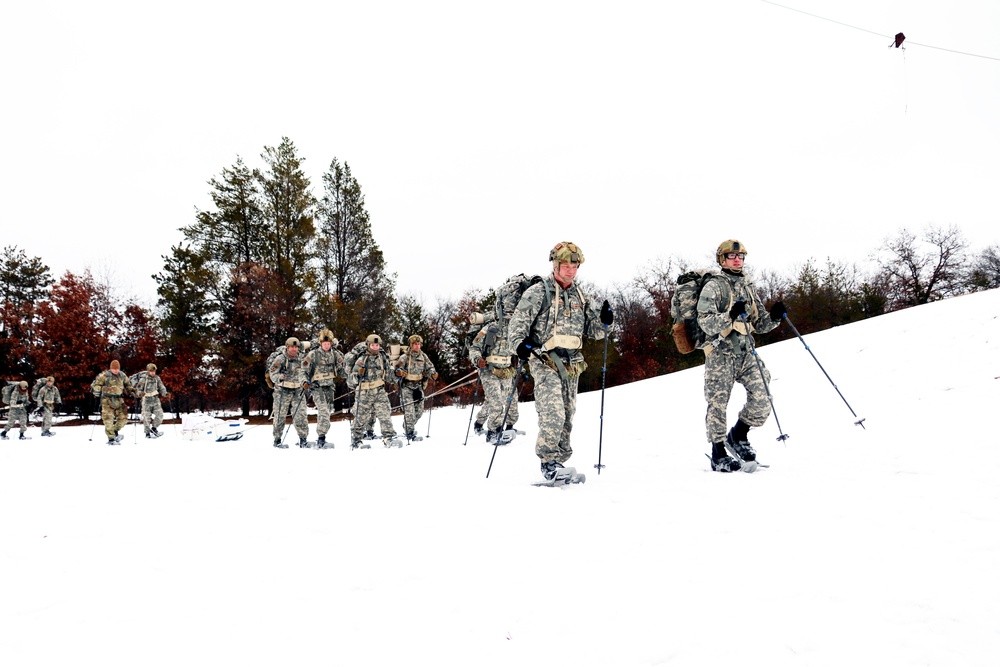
column 858, row 546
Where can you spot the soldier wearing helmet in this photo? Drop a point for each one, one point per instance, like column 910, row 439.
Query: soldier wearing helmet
column 325, row 367
column 547, row 329
column 151, row 389
column 47, row 397
column 414, row 370
column 288, row 373
column 18, row 416
column 371, row 375
column 729, row 311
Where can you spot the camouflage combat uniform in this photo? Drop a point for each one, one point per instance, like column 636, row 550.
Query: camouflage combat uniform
column 288, row 375
column 20, row 400
column 728, row 358
column 371, row 374
column 497, row 378
column 150, row 388
column 325, row 366
column 349, row 359
column 417, row 370
column 557, row 372
column 47, row 398
column 112, row 389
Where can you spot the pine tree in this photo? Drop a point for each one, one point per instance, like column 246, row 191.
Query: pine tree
column 24, row 283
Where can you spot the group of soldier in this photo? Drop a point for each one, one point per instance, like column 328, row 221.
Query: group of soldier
column 370, row 374
column 540, row 331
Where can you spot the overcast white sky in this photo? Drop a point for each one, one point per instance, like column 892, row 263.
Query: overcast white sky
column 482, row 134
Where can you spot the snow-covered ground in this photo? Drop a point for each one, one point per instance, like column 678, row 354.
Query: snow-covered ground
column 874, row 546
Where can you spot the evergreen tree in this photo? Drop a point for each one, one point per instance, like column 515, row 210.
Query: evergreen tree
column 24, row 282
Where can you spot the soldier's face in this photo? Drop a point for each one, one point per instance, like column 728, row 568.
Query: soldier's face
column 326, row 345
column 292, row 351
column 415, row 347
column 374, row 347
column 566, row 272
column 734, row 261
column 151, row 373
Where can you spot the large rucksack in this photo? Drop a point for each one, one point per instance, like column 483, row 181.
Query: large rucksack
column 688, row 336
column 8, row 391
column 510, row 293
column 267, row 365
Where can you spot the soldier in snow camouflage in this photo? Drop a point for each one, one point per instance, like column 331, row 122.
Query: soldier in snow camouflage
column 48, row 398
column 370, row 374
column 288, row 373
column 496, row 373
column 729, row 310
column 554, row 316
column 414, row 370
column 151, row 389
column 18, row 416
column 326, row 365
column 112, row 386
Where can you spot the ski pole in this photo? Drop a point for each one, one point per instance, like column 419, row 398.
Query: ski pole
column 760, row 369
column 91, row 438
column 604, row 372
column 510, row 399
column 859, row 422
column 430, row 413
column 475, row 395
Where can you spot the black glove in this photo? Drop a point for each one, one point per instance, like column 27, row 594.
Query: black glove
column 523, row 351
column 418, row 395
column 607, row 317
column 778, row 311
column 739, row 308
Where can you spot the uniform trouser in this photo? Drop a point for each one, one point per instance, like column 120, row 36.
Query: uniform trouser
column 114, row 414
column 497, row 392
column 372, row 404
column 290, row 401
column 46, row 418
column 723, row 369
column 354, row 410
column 323, row 398
column 18, row 415
column 555, row 402
column 484, row 412
column 152, row 412
column 413, row 409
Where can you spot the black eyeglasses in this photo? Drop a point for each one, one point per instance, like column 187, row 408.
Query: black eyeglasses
column 734, row 255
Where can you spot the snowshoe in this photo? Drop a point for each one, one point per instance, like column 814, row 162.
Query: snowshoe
column 23, row 437
column 393, row 442
column 478, row 428
column 491, row 436
column 280, row 445
column 119, row 437
column 154, row 433
column 725, row 464
column 360, row 445
column 48, row 433
column 413, row 437
column 558, row 475
column 508, row 435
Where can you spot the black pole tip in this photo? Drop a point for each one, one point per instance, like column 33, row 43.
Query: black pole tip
column 783, row 436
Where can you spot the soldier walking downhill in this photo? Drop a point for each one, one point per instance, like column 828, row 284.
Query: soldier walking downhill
column 325, row 367
column 414, row 370
column 20, row 399
column 554, row 316
column 151, row 389
column 288, row 374
column 729, row 311
column 47, row 397
column 370, row 374
column 112, row 387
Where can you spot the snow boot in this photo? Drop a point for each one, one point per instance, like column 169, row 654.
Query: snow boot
column 736, row 441
column 369, row 435
column 321, row 442
column 23, row 437
column 149, row 435
column 549, row 469
column 280, row 445
column 3, row 436
column 492, row 436
column 303, row 442
column 478, row 428
column 721, row 461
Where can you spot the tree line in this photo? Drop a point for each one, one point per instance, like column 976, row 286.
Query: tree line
column 271, row 259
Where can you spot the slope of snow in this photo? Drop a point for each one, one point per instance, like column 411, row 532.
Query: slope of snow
column 858, row 546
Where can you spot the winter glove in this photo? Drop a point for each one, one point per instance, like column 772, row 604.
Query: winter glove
column 523, row 351
column 400, row 373
column 434, row 376
column 481, row 363
column 305, row 385
column 739, row 308
column 607, row 317
column 778, row 311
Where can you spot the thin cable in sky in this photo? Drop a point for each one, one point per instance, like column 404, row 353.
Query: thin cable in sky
column 909, row 42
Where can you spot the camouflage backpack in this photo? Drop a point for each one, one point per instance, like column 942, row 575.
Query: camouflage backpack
column 8, row 391
column 688, row 336
column 510, row 293
column 267, row 365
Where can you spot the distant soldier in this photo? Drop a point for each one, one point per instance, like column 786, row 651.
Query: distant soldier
column 151, row 389
column 414, row 370
column 47, row 397
column 496, row 374
column 112, row 387
column 325, row 367
column 553, row 317
column 20, row 400
column 288, row 374
column 371, row 372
